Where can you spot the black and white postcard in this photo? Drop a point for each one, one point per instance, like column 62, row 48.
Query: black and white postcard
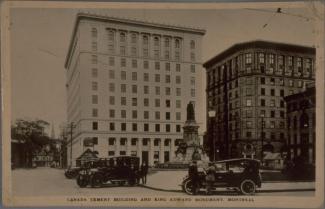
column 162, row 104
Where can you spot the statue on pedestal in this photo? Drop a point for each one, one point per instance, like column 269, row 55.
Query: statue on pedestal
column 189, row 148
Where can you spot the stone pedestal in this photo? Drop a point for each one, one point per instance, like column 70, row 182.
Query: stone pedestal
column 189, row 148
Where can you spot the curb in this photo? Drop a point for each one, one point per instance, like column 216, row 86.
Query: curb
column 257, row 191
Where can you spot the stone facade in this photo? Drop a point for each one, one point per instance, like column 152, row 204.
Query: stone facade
column 128, row 83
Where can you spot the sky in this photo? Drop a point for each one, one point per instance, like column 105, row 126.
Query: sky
column 40, row 39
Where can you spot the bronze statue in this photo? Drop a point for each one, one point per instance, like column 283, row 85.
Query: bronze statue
column 190, row 111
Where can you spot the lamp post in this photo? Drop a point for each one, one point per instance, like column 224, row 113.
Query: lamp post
column 212, row 114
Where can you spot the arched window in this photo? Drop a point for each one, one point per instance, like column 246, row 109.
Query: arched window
column 167, row 42
column 156, row 41
column 134, row 38
column 122, row 37
column 177, row 44
column 94, row 32
column 145, row 40
column 111, row 35
column 192, row 44
column 304, row 121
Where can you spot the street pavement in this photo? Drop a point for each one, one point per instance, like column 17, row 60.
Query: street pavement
column 52, row 182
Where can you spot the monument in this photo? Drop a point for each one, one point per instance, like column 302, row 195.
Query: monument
column 189, row 148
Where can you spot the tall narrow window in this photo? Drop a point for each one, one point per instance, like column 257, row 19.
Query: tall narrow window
column 177, row 44
column 94, row 32
column 192, row 44
column 145, row 40
column 248, row 58
column 122, row 37
column 156, row 41
column 167, row 42
column 134, row 38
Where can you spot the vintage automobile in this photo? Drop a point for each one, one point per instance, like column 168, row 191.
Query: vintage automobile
column 73, row 172
column 239, row 174
column 114, row 170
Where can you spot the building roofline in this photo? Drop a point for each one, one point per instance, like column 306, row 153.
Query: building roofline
column 260, row 44
column 126, row 21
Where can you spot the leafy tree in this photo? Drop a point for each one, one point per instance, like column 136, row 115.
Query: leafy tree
column 31, row 134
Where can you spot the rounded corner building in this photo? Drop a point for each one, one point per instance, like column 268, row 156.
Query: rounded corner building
column 245, row 89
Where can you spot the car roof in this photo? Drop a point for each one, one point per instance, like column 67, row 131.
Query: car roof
column 237, row 160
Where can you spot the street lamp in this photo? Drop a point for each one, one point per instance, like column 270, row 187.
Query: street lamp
column 212, row 114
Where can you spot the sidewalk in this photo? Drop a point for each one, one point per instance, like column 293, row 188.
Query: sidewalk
column 171, row 180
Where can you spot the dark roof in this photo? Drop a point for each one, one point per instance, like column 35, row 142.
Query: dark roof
column 308, row 92
column 103, row 18
column 260, row 44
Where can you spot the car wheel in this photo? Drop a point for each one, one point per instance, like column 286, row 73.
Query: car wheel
column 247, row 187
column 82, row 182
column 67, row 175
column 97, row 181
column 188, row 186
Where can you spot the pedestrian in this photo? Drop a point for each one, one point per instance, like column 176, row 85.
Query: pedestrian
column 144, row 172
column 194, row 176
column 210, row 178
column 132, row 175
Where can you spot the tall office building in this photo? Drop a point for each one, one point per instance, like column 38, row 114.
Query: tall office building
column 128, row 84
column 246, row 86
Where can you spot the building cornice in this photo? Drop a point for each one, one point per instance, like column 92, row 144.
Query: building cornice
column 259, row 44
column 101, row 18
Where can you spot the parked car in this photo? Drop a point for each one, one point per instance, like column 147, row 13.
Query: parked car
column 114, row 170
column 240, row 174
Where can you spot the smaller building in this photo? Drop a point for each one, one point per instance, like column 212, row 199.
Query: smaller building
column 301, row 125
column 17, row 153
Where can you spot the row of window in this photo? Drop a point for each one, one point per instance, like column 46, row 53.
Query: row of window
column 135, row 64
column 264, row 81
column 282, row 60
column 134, row 90
column 134, row 38
column 145, row 45
column 269, row 124
column 144, row 142
column 146, row 77
column 134, row 51
column 272, row 136
column 271, row 103
column 218, row 76
column 134, row 114
column 134, row 127
column 249, row 114
column 249, row 134
column 146, row 89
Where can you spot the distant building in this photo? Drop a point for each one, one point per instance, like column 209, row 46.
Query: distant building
column 246, row 86
column 128, row 83
column 301, row 124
